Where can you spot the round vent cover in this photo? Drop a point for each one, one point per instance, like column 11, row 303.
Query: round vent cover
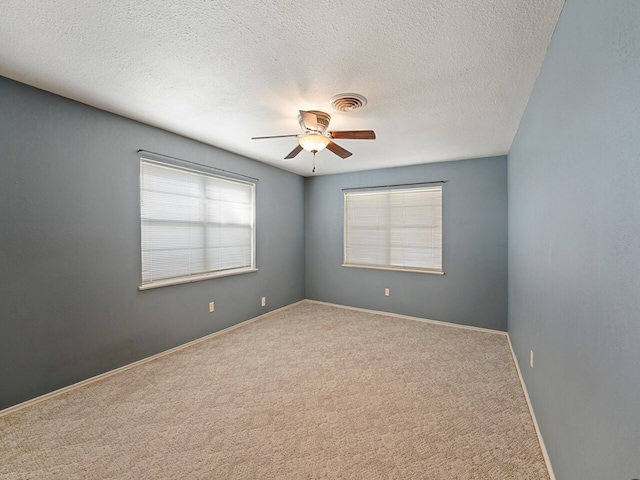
column 345, row 102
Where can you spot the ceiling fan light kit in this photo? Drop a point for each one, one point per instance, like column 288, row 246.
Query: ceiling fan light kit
column 313, row 142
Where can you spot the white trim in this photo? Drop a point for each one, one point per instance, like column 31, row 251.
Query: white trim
column 543, row 448
column 124, row 368
column 395, row 269
column 82, row 383
column 545, row 454
column 195, row 278
column 407, row 317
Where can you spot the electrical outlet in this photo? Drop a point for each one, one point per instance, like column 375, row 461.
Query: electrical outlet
column 211, row 306
column 531, row 358
column 264, row 301
column 386, row 292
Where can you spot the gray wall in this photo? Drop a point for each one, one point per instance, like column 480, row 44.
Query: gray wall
column 574, row 242
column 70, row 245
column 473, row 289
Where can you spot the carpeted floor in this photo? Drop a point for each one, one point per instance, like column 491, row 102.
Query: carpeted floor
column 312, row 391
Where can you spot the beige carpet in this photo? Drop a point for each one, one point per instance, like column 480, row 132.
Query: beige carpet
column 313, row 391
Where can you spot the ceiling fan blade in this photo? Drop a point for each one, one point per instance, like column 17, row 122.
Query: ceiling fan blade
column 294, row 152
column 354, row 134
column 274, row 136
column 338, row 150
column 309, row 119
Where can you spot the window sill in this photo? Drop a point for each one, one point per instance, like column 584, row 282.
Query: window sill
column 195, row 278
column 396, row 269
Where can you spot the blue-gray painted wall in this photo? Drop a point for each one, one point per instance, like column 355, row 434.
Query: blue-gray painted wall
column 574, row 242
column 70, row 265
column 70, row 245
column 473, row 290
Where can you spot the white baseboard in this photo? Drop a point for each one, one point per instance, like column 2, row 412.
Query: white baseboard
column 124, row 368
column 407, row 317
column 545, row 454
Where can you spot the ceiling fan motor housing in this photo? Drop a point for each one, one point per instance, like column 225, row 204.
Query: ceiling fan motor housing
column 322, row 118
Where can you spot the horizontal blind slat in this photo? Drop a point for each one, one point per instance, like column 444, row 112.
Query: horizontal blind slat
column 398, row 227
column 193, row 223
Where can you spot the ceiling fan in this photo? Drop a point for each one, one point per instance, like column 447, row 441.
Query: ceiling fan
column 315, row 136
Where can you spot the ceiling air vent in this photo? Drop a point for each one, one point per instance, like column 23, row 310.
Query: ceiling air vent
column 345, row 102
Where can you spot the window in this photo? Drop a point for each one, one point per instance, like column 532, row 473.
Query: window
column 397, row 229
column 194, row 225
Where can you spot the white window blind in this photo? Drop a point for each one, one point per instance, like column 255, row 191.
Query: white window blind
column 194, row 225
column 398, row 229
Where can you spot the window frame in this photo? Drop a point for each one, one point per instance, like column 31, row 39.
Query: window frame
column 193, row 275
column 389, row 191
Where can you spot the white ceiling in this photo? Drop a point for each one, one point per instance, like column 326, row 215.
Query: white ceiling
column 444, row 79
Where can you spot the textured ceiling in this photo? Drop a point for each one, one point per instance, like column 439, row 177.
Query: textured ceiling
column 444, row 79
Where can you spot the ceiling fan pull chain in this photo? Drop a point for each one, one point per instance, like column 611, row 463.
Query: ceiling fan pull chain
column 314, row 163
